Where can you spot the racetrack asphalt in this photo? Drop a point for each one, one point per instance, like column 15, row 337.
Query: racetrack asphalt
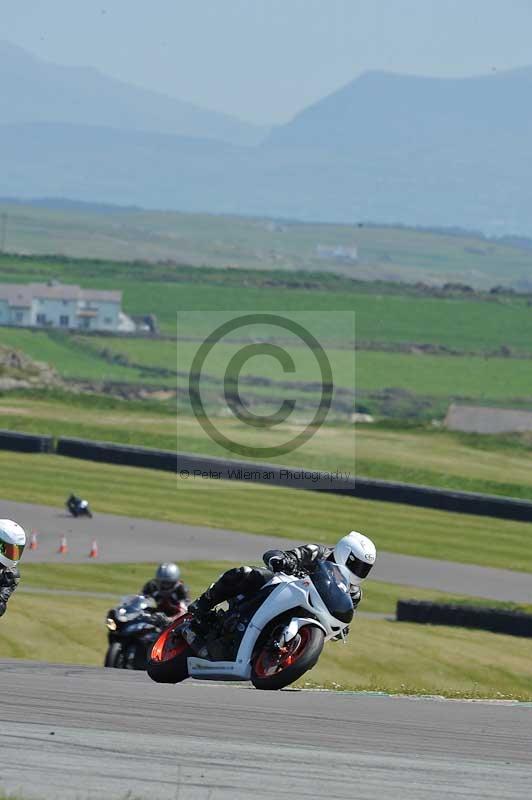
column 82, row 732
column 129, row 539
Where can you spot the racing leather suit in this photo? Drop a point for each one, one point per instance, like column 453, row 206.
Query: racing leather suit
column 167, row 603
column 9, row 578
column 248, row 580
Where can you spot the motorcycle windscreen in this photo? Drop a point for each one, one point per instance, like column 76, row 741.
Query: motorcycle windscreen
column 132, row 606
column 333, row 587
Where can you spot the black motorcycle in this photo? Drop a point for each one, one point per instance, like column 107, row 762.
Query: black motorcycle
column 134, row 625
column 78, row 507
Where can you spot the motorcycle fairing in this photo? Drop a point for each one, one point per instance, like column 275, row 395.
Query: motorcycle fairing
column 289, row 594
column 292, row 629
column 221, row 670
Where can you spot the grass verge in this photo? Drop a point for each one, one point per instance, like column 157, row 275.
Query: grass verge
column 422, row 659
column 272, row 511
column 380, row 655
column 120, row 579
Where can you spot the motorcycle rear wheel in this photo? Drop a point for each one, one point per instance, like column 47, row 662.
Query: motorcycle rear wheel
column 168, row 658
column 272, row 669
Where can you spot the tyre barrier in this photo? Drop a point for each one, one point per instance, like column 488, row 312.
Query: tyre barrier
column 497, row 620
column 363, row 488
column 484, row 505
column 189, row 465
column 25, row 442
column 126, row 455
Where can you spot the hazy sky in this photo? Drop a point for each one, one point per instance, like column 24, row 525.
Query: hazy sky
column 264, row 60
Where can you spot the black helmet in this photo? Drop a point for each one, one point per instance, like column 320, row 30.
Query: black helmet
column 167, row 577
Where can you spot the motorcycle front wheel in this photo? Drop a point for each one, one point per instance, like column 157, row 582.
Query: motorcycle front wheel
column 168, row 658
column 275, row 667
column 114, row 656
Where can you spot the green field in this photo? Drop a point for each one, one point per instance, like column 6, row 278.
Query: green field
column 475, row 340
column 423, row 384
column 385, row 313
column 436, row 376
column 66, row 356
column 220, row 241
column 426, row 455
column 387, row 317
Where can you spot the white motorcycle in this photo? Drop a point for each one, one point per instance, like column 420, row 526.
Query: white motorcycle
column 270, row 639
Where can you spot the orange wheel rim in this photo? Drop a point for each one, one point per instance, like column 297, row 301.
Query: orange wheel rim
column 269, row 664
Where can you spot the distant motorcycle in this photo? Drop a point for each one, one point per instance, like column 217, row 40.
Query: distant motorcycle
column 133, row 626
column 78, row 507
column 270, row 639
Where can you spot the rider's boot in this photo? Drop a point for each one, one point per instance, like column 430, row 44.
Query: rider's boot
column 201, row 609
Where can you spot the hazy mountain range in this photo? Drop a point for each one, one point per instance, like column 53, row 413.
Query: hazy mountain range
column 38, row 91
column 385, row 148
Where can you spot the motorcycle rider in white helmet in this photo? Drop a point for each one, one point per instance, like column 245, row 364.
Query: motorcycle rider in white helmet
column 355, row 551
column 12, row 543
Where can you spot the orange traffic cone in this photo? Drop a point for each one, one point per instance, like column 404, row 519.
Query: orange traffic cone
column 63, row 546
column 94, row 549
column 33, row 541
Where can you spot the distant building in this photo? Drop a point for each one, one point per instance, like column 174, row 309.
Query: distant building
column 338, row 252
column 481, row 419
column 56, row 305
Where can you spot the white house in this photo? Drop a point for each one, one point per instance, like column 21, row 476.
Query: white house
column 56, row 305
column 338, row 252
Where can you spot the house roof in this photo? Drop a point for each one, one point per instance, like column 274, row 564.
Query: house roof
column 22, row 295
column 16, row 295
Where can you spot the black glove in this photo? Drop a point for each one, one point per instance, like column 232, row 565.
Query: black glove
column 8, row 579
column 282, row 563
column 161, row 619
column 198, row 608
column 356, row 595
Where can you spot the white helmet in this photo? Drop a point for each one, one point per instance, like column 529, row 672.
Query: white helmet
column 357, row 553
column 12, row 542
